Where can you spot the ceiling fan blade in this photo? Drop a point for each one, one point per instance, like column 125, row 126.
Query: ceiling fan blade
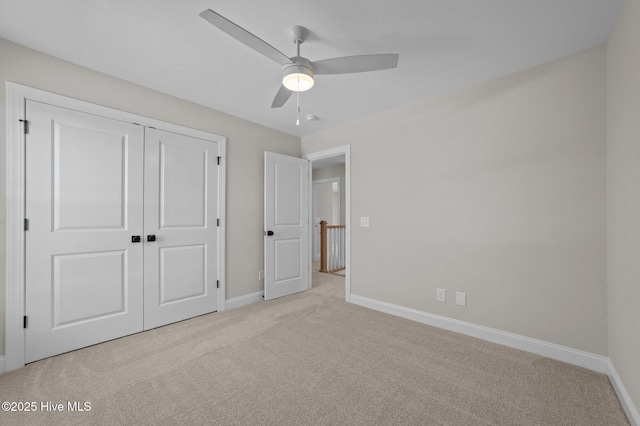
column 244, row 36
column 360, row 63
column 282, row 97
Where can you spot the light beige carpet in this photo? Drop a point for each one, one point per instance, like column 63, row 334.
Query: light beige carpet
column 309, row 359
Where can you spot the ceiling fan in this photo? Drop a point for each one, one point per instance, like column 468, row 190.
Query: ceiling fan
column 298, row 72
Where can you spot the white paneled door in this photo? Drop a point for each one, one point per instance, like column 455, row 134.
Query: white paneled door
column 122, row 231
column 84, row 204
column 286, row 224
column 181, row 193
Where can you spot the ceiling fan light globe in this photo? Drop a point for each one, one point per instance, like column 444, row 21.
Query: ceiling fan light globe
column 297, row 82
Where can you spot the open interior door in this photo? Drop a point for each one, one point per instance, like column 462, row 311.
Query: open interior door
column 286, row 225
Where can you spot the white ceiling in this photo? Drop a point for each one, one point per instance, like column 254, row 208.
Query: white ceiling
column 443, row 45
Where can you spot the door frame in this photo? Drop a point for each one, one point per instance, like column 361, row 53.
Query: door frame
column 314, row 203
column 16, row 97
column 328, row 153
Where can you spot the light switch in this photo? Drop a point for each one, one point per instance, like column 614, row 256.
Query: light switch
column 364, row 222
column 461, row 298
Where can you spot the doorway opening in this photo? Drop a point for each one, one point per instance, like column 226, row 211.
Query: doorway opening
column 330, row 203
column 327, row 201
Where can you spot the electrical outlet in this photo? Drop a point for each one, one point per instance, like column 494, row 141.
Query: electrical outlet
column 441, row 294
column 260, row 275
column 364, row 221
column 461, row 298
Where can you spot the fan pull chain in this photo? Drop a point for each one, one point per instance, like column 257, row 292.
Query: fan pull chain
column 298, row 105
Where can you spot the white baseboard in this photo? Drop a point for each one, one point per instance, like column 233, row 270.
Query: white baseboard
column 247, row 299
column 625, row 399
column 577, row 357
column 2, row 364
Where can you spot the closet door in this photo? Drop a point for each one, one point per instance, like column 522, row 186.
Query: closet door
column 180, row 227
column 83, row 203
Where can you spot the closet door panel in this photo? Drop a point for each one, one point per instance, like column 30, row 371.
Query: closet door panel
column 181, row 232
column 84, row 202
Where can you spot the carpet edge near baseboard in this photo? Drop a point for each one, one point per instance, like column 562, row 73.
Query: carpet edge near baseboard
column 590, row 361
column 247, row 299
column 629, row 407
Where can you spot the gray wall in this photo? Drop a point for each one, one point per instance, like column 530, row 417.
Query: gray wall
column 623, row 196
column 497, row 190
column 246, row 143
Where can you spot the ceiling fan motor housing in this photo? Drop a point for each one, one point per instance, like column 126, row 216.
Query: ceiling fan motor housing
column 300, row 67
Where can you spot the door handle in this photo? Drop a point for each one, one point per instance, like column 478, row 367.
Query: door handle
column 269, row 233
column 135, row 238
column 151, row 238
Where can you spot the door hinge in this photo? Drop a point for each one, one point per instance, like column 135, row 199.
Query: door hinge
column 26, row 224
column 218, row 284
column 219, row 160
column 25, row 123
column 218, row 222
column 24, row 322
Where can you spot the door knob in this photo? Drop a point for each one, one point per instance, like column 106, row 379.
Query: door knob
column 135, row 238
column 151, row 238
column 269, row 233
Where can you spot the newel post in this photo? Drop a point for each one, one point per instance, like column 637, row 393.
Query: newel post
column 323, row 246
